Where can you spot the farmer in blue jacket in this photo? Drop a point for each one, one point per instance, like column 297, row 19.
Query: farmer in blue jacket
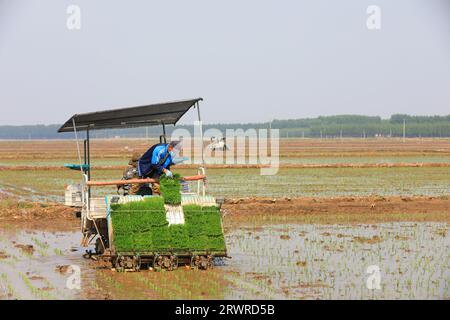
column 158, row 159
column 152, row 164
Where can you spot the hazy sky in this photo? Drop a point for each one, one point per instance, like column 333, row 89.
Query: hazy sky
column 251, row 60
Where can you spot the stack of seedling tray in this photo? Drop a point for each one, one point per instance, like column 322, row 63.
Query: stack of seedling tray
column 142, row 227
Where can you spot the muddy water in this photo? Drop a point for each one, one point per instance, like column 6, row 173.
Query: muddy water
column 268, row 262
column 332, row 261
column 35, row 264
column 27, row 194
column 4, row 193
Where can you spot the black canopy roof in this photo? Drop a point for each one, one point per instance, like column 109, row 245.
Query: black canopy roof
column 149, row 115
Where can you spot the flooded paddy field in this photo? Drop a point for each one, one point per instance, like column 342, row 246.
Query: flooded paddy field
column 288, row 249
column 317, row 182
column 331, row 261
column 35, row 264
column 389, row 158
column 305, row 233
column 269, row 261
column 117, row 152
column 34, row 169
column 46, row 152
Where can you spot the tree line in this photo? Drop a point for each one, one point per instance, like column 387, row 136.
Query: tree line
column 366, row 126
column 323, row 126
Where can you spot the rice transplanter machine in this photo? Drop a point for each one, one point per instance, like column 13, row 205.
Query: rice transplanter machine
column 96, row 224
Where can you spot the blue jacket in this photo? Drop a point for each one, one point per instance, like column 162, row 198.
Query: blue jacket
column 149, row 165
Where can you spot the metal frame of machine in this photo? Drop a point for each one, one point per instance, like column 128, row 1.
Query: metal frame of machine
column 94, row 222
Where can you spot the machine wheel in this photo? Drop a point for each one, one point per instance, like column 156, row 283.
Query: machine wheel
column 165, row 262
column 126, row 263
column 119, row 264
column 202, row 262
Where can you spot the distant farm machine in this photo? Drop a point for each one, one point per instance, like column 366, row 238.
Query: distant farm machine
column 191, row 233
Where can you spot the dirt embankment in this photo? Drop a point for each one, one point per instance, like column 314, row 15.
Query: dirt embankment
column 36, row 214
column 253, row 166
column 337, row 210
column 264, row 210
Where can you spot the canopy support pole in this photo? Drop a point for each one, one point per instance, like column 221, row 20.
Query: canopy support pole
column 202, row 170
column 78, row 144
column 164, row 132
column 86, row 142
column 201, row 132
column 85, row 151
column 88, row 145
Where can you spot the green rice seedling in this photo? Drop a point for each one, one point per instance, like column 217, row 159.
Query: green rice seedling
column 110, row 281
column 41, row 294
column 141, row 226
column 7, row 286
column 58, row 252
column 170, row 189
column 204, row 227
column 135, row 223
